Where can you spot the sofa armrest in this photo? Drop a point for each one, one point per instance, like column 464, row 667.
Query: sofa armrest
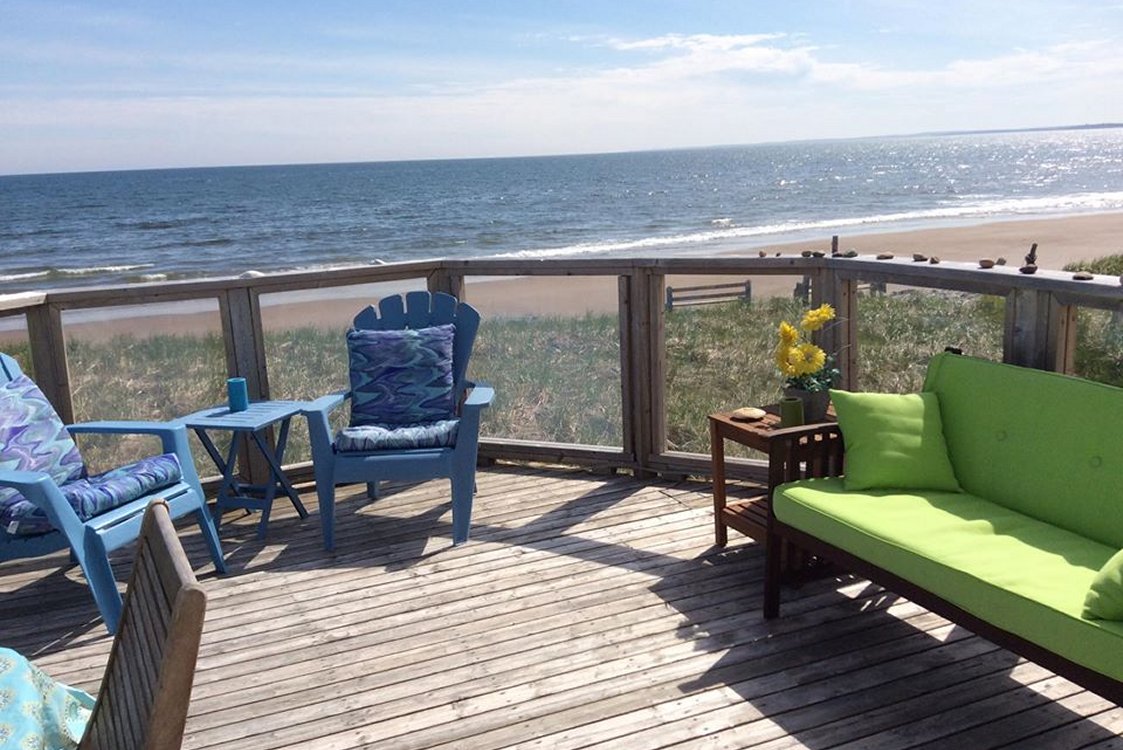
column 805, row 451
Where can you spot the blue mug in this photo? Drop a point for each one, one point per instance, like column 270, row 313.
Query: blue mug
column 237, row 394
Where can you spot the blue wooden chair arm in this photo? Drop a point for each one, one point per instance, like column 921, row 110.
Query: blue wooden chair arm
column 326, row 404
column 480, row 396
column 42, row 491
column 24, row 481
column 173, row 436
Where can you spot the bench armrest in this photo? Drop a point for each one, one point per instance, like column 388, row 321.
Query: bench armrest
column 805, row 451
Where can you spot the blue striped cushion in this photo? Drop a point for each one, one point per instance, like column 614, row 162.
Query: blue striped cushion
column 373, row 437
column 401, row 377
column 97, row 494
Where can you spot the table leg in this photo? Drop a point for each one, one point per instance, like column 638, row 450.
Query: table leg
column 225, row 467
column 278, row 478
column 282, row 441
column 717, row 454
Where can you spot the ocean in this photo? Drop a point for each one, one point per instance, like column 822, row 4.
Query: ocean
column 64, row 230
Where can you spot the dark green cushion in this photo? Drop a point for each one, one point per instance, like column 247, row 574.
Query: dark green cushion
column 1044, row 444
column 1104, row 600
column 1011, row 570
column 893, row 441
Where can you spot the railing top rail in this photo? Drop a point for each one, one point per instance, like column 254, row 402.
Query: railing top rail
column 970, row 277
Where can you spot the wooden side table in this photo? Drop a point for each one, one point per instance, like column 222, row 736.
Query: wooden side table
column 750, row 517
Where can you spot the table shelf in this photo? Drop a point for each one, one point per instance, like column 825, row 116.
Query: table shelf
column 750, row 517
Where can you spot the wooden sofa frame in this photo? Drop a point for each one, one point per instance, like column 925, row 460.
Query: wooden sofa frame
column 817, row 451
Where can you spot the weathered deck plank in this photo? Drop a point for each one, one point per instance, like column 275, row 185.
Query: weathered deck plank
column 586, row 612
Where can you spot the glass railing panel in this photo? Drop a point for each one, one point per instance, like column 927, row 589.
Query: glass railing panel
column 550, row 345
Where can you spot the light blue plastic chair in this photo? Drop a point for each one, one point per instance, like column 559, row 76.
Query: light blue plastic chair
column 333, row 466
column 92, row 537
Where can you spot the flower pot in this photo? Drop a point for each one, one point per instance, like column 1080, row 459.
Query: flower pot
column 815, row 403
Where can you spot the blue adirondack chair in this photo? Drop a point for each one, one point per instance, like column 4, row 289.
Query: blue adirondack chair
column 48, row 502
column 432, row 430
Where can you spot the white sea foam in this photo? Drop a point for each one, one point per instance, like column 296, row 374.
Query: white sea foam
column 965, row 211
column 91, row 270
column 23, row 276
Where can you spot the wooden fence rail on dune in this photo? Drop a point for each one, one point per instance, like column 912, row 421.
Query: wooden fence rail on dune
column 707, row 294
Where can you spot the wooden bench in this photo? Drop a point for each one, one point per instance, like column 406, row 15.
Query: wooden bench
column 709, row 294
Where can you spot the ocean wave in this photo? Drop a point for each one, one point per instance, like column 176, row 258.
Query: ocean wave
column 94, row 270
column 966, row 211
column 23, row 276
column 67, row 273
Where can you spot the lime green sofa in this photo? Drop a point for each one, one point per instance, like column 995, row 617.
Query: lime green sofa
column 1039, row 460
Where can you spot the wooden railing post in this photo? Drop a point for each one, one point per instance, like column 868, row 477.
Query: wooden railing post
column 656, row 375
column 1060, row 346
column 630, row 409
column 244, row 339
column 444, row 280
column 1039, row 332
column 641, row 350
column 48, row 357
column 841, row 337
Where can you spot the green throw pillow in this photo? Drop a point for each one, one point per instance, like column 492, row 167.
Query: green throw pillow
column 1104, row 600
column 893, row 441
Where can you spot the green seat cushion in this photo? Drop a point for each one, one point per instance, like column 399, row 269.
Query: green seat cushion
column 893, row 441
column 1104, row 600
column 1013, row 571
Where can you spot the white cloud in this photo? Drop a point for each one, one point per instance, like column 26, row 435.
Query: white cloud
column 670, row 90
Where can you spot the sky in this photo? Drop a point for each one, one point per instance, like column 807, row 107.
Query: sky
column 121, row 85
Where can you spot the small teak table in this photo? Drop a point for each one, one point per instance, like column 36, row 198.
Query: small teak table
column 252, row 422
column 750, row 517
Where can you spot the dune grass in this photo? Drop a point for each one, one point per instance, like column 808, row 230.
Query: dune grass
column 1099, row 333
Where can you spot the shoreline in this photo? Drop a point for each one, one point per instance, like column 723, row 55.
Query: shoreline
column 1060, row 240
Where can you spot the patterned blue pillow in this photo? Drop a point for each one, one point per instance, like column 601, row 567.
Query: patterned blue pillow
column 401, row 377
column 33, row 438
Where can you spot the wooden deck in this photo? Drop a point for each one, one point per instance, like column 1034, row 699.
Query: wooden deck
column 587, row 611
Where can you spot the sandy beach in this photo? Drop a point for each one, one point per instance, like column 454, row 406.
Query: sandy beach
column 1060, row 241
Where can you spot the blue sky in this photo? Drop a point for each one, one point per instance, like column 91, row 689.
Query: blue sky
column 99, row 85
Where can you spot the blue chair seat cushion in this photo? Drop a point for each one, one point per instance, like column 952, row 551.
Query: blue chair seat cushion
column 33, row 438
column 374, row 437
column 95, row 495
column 401, row 377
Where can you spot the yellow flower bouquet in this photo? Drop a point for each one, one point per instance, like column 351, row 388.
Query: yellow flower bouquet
column 804, row 365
